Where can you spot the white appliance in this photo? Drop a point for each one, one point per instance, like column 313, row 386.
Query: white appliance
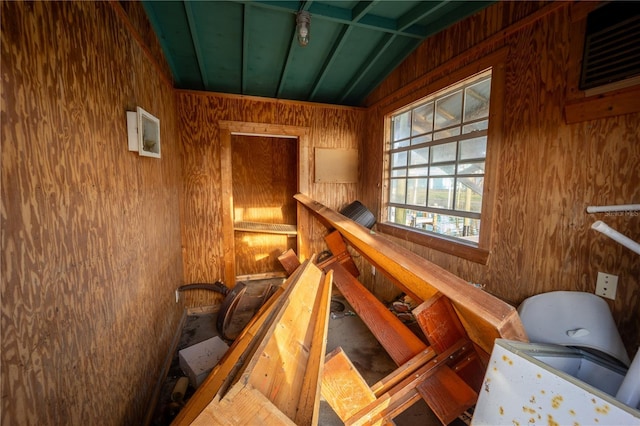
column 532, row 383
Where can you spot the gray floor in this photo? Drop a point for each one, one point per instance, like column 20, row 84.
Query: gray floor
column 348, row 332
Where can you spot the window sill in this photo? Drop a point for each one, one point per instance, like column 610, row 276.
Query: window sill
column 473, row 254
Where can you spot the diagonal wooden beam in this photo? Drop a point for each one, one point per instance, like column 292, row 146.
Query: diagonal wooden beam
column 375, row 55
column 484, row 317
column 193, row 30
column 245, row 47
column 418, row 13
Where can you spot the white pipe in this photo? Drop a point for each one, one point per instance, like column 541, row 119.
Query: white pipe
column 615, row 235
column 618, row 208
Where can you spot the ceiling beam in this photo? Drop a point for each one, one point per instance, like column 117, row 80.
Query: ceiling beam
column 343, row 16
column 245, row 48
column 393, row 64
column 151, row 14
column 376, row 53
column 337, row 46
column 461, row 11
column 418, row 13
column 359, row 11
column 193, row 30
column 286, row 68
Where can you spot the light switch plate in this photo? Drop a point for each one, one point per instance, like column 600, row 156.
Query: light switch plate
column 606, row 285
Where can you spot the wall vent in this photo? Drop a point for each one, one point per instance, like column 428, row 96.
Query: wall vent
column 612, row 46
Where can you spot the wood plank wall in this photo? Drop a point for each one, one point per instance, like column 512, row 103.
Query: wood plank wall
column 264, row 173
column 199, row 114
column 549, row 171
column 90, row 231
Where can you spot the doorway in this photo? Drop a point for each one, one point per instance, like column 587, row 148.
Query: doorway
column 264, row 181
column 262, row 167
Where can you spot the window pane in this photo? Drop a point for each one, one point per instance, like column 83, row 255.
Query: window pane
column 469, row 194
column 422, row 119
column 400, row 144
column 397, row 190
column 455, row 131
column 401, row 126
column 399, row 159
column 416, row 192
column 456, row 226
column 419, row 156
column 419, row 171
column 443, row 153
column 477, row 126
column 398, row 173
column 421, row 139
column 443, row 170
column 471, row 168
column 448, row 110
column 476, row 100
column 473, row 148
column 441, row 193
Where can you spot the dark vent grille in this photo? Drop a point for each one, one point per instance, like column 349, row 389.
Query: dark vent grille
column 612, row 45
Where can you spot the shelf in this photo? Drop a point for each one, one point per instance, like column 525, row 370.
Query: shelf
column 266, row 228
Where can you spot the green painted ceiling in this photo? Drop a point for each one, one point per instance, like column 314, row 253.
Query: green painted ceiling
column 249, row 47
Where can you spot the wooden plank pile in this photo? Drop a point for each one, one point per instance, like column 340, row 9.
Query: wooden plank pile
column 460, row 323
column 276, row 369
column 271, row 374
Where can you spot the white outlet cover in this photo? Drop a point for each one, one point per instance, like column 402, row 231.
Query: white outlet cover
column 606, row 285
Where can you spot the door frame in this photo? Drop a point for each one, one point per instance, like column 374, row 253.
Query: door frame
column 244, row 128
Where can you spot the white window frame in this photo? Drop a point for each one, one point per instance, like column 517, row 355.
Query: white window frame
column 477, row 253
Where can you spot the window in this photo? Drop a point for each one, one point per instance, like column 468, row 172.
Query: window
column 437, row 159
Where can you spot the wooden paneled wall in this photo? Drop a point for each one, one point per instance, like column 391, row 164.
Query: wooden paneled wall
column 90, row 231
column 549, row 171
column 199, row 114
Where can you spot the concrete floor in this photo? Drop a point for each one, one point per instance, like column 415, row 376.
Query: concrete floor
column 349, row 332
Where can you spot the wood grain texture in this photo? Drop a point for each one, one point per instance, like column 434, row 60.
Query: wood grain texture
column 90, row 231
column 199, row 115
column 548, row 171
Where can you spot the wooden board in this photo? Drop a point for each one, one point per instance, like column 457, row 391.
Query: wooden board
column 335, row 165
column 395, row 337
column 439, row 322
column 483, row 316
column 344, row 389
column 446, row 394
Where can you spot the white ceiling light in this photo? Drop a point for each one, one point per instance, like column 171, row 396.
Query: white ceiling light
column 303, row 27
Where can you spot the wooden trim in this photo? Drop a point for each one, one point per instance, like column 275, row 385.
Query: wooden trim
column 473, row 254
column 606, row 105
column 453, row 76
column 268, row 100
column 226, row 186
column 455, row 62
column 117, row 7
column 228, row 128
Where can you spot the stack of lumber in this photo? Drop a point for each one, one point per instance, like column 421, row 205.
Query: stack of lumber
column 271, row 373
column 460, row 323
